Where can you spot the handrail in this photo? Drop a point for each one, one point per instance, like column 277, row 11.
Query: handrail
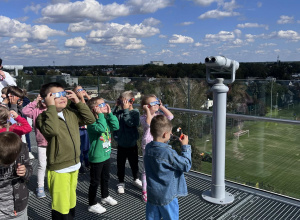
column 230, row 115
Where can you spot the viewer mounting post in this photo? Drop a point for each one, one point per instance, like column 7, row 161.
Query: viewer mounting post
column 219, row 66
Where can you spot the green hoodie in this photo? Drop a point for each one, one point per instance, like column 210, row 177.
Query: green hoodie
column 128, row 134
column 63, row 136
column 100, row 137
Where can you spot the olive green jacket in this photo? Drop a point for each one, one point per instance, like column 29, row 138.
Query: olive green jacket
column 63, row 136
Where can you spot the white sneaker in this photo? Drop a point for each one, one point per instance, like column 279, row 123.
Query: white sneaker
column 31, row 157
column 137, row 183
column 97, row 208
column 109, row 200
column 121, row 188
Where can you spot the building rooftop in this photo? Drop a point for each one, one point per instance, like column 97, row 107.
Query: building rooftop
column 249, row 203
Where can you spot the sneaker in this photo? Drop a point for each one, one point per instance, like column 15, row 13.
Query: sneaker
column 97, row 208
column 121, row 188
column 31, row 157
column 137, row 183
column 40, row 193
column 144, row 196
column 109, row 200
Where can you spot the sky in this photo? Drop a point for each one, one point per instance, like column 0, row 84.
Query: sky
column 134, row 32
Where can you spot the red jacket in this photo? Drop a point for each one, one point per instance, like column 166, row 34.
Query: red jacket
column 21, row 127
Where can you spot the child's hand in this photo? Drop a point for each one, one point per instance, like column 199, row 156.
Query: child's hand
column 86, row 95
column 184, row 140
column 20, row 102
column 80, row 94
column 126, row 104
column 13, row 114
column 108, row 108
column 49, row 99
column 13, row 99
column 97, row 109
column 2, row 74
column 145, row 107
column 38, row 98
column 72, row 96
column 21, row 170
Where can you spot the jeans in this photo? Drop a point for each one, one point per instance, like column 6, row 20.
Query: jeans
column 132, row 154
column 167, row 212
column 100, row 174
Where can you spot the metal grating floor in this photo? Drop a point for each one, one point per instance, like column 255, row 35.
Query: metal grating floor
column 248, row 204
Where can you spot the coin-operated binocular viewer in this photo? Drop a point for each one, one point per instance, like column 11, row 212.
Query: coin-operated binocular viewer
column 217, row 68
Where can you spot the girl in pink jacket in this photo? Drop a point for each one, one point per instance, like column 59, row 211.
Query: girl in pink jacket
column 32, row 110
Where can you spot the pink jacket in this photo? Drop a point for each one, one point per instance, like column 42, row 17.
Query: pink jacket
column 31, row 111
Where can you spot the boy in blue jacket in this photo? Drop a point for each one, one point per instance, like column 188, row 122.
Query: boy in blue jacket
column 164, row 171
column 127, row 136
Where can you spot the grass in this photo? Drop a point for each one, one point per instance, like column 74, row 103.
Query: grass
column 269, row 158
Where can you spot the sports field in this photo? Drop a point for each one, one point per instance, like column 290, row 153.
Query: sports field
column 269, row 158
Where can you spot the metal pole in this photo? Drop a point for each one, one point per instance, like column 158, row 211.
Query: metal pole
column 217, row 194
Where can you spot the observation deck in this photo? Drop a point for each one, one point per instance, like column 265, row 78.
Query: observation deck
column 249, row 203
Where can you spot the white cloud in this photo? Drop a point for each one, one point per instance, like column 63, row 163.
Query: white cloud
column 22, row 19
column 198, row 44
column 186, row 54
column 186, row 23
column 204, row 2
column 285, row 20
column 162, row 36
column 15, row 29
column 62, row 52
column 72, row 12
column 228, row 6
column 238, row 32
column 237, row 42
column 80, row 10
column 144, row 7
column 127, row 30
column 289, row 35
column 218, row 14
column 253, row 25
column 267, row 44
column 260, row 52
column 33, row 7
column 179, row 39
column 75, row 42
column 26, row 46
column 151, row 22
column 221, row 36
column 143, row 52
column 164, row 52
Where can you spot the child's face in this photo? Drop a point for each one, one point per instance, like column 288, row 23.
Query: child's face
column 154, row 108
column 60, row 102
column 103, row 109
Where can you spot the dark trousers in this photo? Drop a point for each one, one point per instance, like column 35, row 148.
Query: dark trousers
column 99, row 173
column 58, row 216
column 132, row 154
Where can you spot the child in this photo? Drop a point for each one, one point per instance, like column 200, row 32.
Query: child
column 32, row 110
column 84, row 138
column 59, row 125
column 99, row 153
column 164, row 169
column 15, row 170
column 15, row 97
column 3, row 95
column 20, row 125
column 127, row 136
column 151, row 106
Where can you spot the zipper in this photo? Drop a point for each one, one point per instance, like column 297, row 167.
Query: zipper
column 72, row 139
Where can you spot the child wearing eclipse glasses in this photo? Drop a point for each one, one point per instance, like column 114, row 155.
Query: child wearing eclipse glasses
column 99, row 153
column 84, row 138
column 151, row 106
column 127, row 137
column 59, row 125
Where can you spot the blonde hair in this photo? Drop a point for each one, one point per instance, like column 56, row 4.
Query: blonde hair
column 4, row 116
column 127, row 95
column 145, row 98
